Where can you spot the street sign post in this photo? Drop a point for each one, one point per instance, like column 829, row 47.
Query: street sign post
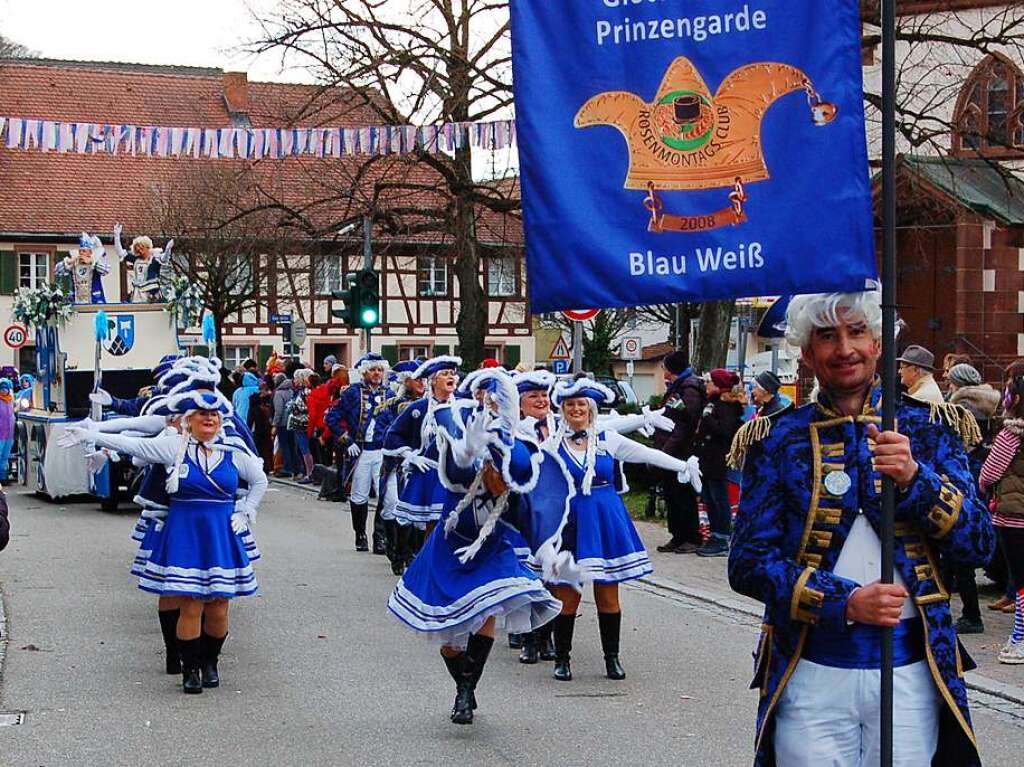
column 15, row 336
column 560, row 367
column 299, row 332
column 631, row 348
column 560, row 351
column 581, row 315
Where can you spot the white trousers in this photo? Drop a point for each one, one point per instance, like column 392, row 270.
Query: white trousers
column 828, row 717
column 387, row 508
column 365, row 475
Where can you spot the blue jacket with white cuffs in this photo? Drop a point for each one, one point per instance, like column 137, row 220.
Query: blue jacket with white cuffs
column 790, row 529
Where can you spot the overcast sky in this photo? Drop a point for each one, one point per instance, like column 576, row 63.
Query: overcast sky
column 189, row 32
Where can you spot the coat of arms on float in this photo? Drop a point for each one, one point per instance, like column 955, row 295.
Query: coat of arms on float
column 689, row 139
column 121, row 337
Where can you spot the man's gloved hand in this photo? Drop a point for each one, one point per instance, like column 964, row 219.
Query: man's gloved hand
column 354, row 450
column 420, row 462
column 101, row 397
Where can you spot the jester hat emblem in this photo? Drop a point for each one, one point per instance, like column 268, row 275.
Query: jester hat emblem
column 689, row 139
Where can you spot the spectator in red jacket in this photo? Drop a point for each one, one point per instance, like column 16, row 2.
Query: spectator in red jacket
column 320, row 400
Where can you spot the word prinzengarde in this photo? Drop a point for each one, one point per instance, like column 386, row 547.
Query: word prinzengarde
column 696, row 28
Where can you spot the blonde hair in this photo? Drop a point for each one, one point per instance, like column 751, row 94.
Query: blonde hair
column 143, row 240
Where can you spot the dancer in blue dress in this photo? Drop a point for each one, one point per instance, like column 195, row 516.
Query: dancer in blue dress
column 468, row 578
column 412, row 437
column 198, row 556
column 600, row 534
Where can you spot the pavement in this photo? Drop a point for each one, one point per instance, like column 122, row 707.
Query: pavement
column 316, row 672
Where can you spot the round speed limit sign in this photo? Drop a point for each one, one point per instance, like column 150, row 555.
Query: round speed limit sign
column 15, row 336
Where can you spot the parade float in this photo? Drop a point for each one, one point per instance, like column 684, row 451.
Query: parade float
column 81, row 344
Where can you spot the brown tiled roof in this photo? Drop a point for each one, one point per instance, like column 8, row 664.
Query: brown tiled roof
column 49, row 193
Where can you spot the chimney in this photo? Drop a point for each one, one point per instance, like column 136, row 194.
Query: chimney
column 236, row 96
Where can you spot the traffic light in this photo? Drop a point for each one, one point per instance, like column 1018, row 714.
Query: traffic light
column 367, row 298
column 349, row 315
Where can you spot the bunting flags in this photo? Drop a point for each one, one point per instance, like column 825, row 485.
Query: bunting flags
column 250, row 143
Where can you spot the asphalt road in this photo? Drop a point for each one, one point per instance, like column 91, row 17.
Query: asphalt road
column 317, row 672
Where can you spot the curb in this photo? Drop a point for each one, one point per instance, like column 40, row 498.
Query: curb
column 4, row 633
column 973, row 680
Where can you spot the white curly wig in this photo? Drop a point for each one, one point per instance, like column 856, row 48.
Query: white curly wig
column 823, row 310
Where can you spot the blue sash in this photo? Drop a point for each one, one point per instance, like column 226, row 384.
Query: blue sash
column 860, row 646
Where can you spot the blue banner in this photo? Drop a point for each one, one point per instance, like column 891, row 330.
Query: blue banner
column 689, row 150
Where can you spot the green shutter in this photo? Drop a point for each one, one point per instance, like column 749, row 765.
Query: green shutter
column 200, row 351
column 390, row 353
column 263, row 354
column 512, row 355
column 440, row 349
column 8, row 272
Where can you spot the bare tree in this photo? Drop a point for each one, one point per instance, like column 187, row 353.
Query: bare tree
column 229, row 239
column 12, row 50
column 936, row 53
column 423, row 62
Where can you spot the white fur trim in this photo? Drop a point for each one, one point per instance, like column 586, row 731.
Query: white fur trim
column 569, row 389
column 538, row 378
column 444, row 358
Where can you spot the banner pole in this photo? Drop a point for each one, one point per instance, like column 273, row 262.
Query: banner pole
column 888, row 347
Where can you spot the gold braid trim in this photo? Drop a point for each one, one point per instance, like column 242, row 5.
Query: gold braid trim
column 959, row 419
column 945, row 513
column 749, row 435
column 802, row 595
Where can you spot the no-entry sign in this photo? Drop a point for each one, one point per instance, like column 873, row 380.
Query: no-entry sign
column 16, row 336
column 579, row 315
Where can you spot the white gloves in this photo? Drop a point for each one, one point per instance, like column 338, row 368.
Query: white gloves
column 420, row 462
column 117, row 230
column 354, row 450
column 239, row 522
column 73, row 435
column 241, row 507
column 657, row 419
column 96, row 460
column 101, row 397
column 691, row 473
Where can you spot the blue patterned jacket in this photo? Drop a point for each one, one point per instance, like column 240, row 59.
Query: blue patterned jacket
column 790, row 529
column 353, row 412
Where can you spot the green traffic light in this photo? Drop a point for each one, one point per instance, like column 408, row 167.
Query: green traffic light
column 369, row 317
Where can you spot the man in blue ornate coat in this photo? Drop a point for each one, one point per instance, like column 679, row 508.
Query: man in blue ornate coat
column 351, row 416
column 806, row 544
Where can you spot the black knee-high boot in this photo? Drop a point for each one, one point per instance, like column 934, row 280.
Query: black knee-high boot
column 210, row 650
column 546, row 641
column 169, row 629
column 610, row 625
column 478, row 648
column 379, row 533
column 190, row 651
column 403, row 547
column 359, row 512
column 531, row 648
column 563, row 629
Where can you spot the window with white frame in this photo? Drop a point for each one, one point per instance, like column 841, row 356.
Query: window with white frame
column 431, row 276
column 413, row 352
column 33, row 269
column 501, row 277
column 492, row 352
column 236, row 355
column 328, row 277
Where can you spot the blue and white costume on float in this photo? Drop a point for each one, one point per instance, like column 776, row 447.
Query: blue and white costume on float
column 412, row 437
column 468, row 570
column 600, row 533
column 86, row 278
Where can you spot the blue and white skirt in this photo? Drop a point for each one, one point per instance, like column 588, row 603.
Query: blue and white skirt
column 145, row 532
column 197, row 554
column 423, row 498
column 445, row 600
column 603, row 540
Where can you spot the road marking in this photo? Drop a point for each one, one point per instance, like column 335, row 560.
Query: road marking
column 13, row 719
